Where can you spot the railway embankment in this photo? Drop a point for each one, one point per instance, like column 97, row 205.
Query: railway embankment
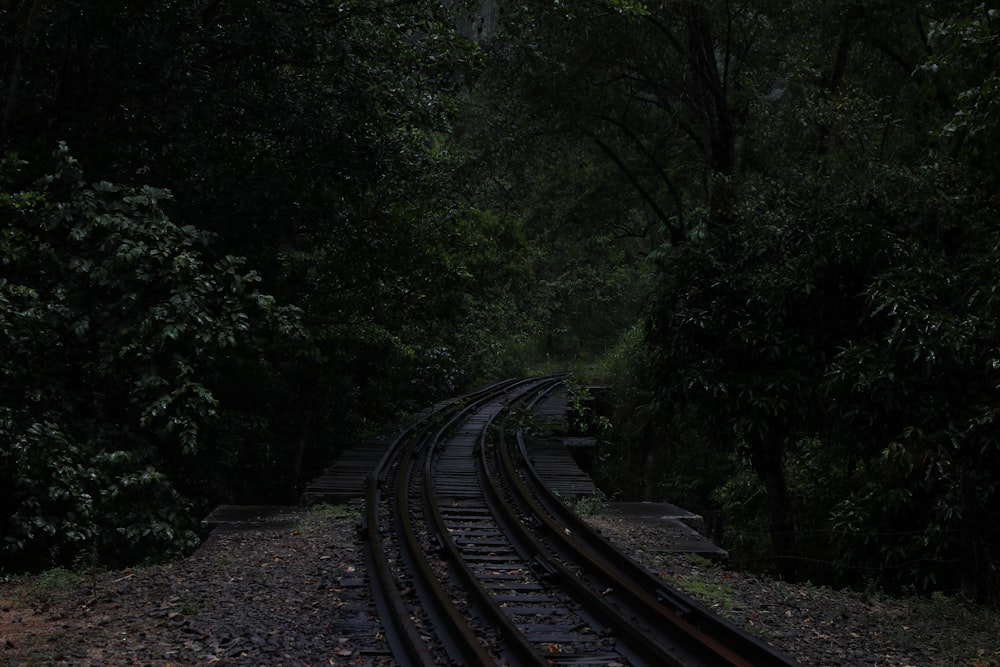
column 286, row 593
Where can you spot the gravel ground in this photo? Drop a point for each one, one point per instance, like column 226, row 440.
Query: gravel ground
column 284, row 595
column 293, row 594
column 816, row 625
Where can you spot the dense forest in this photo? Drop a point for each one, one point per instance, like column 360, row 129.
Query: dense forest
column 237, row 237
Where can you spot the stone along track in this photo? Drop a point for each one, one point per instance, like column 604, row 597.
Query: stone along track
column 473, row 562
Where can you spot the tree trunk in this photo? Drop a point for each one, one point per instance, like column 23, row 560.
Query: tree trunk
column 709, row 93
column 767, row 461
column 977, row 570
column 303, row 443
column 17, row 69
column 710, row 102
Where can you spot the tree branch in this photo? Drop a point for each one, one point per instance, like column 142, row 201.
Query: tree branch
column 18, row 68
column 676, row 233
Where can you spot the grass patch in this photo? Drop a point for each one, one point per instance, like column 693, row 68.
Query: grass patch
column 716, row 596
column 57, row 579
column 324, row 514
column 590, row 505
column 697, row 560
column 46, row 589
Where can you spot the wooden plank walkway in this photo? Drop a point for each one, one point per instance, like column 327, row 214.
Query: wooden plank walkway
column 553, row 412
column 238, row 518
column 554, row 460
column 345, row 479
column 682, row 527
column 557, row 468
column 551, row 455
column 344, row 482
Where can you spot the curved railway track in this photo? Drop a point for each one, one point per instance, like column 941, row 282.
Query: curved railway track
column 473, row 561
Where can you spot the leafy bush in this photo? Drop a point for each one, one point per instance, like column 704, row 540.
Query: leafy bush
column 113, row 320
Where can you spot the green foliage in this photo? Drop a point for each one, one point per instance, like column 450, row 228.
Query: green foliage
column 821, row 335
column 815, row 184
column 741, row 497
column 57, row 579
column 627, row 448
column 321, row 517
column 113, row 319
column 312, row 139
column 590, row 505
column 716, row 596
column 586, row 237
column 629, row 7
column 521, row 418
column 964, row 58
column 580, row 409
column 645, row 455
column 847, row 303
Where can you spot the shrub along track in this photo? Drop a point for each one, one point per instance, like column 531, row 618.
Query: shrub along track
column 471, row 559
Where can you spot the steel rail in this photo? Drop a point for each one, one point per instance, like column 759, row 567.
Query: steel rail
column 688, row 645
column 516, row 643
column 717, row 641
column 451, row 626
column 402, row 635
column 652, row 649
column 405, row 640
column 522, row 649
column 461, row 640
column 654, row 624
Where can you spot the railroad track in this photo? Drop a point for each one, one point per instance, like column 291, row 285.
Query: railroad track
column 473, row 561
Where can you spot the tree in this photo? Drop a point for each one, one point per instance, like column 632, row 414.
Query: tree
column 896, row 239
column 114, row 320
column 311, row 137
column 926, row 369
column 823, row 172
